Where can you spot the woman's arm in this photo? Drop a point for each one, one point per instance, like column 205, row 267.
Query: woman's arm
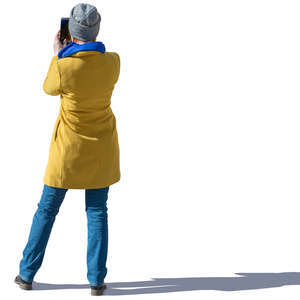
column 52, row 84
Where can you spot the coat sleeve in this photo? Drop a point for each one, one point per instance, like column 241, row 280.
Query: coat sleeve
column 52, row 83
column 117, row 66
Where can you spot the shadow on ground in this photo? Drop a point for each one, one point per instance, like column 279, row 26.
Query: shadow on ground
column 245, row 281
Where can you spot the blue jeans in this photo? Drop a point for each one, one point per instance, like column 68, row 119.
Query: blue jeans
column 44, row 217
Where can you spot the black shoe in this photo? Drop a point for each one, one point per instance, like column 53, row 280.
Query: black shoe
column 25, row 285
column 97, row 290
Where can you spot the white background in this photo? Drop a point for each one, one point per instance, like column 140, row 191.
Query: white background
column 207, row 108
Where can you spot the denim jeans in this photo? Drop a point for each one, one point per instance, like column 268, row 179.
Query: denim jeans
column 44, row 217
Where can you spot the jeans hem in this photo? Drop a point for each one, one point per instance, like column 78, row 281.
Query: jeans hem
column 26, row 278
column 97, row 284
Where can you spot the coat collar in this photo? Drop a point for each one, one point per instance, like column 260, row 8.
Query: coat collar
column 73, row 47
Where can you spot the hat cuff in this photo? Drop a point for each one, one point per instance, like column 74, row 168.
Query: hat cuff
column 82, row 32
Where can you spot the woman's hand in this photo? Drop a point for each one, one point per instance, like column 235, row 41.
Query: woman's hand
column 57, row 45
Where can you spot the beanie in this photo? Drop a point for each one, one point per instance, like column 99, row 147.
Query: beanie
column 84, row 22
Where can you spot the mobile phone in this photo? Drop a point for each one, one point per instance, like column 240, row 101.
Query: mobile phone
column 64, row 30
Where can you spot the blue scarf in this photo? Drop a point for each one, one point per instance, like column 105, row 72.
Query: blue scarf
column 73, row 47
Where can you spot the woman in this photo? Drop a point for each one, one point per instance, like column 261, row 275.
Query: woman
column 84, row 148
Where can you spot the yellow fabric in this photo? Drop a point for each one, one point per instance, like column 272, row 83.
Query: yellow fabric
column 84, row 148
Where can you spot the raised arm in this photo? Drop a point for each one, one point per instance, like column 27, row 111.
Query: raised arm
column 52, row 82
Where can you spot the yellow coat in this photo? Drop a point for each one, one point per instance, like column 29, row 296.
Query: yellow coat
column 84, row 148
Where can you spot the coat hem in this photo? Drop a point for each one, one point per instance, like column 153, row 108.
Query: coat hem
column 72, row 186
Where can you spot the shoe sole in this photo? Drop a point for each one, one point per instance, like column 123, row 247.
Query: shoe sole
column 99, row 291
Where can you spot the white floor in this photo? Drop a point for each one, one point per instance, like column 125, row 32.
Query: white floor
column 258, row 286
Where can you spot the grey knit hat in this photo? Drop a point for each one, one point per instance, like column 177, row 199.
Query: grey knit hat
column 84, row 22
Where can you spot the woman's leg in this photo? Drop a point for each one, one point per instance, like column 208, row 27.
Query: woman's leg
column 96, row 211
column 42, row 223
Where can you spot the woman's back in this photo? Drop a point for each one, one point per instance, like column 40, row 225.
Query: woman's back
column 84, row 149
